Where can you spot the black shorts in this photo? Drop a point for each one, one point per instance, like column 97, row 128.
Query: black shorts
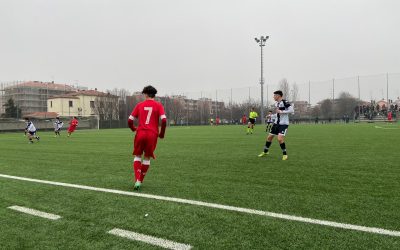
column 32, row 133
column 252, row 120
column 279, row 129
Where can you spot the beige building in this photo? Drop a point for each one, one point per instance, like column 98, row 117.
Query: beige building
column 80, row 103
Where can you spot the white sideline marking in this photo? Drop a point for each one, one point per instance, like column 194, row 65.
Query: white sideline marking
column 149, row 239
column 384, row 128
column 35, row 212
column 374, row 230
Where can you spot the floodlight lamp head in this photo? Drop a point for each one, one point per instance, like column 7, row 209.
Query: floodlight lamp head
column 257, row 40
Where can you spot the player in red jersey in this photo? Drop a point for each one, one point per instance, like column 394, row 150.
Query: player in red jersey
column 72, row 126
column 244, row 120
column 148, row 113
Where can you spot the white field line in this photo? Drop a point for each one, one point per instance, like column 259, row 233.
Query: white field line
column 149, row 239
column 374, row 230
column 35, row 212
column 384, row 127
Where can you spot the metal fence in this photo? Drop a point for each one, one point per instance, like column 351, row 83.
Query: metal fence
column 357, row 97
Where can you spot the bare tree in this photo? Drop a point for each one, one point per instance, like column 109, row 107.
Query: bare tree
column 177, row 109
column 284, row 87
column 106, row 107
column 345, row 104
column 294, row 92
column 327, row 108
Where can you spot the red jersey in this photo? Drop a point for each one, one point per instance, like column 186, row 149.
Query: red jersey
column 74, row 123
column 148, row 113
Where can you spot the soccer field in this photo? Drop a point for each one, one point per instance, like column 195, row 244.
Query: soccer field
column 344, row 173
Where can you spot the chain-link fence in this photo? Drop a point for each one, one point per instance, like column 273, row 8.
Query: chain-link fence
column 358, row 98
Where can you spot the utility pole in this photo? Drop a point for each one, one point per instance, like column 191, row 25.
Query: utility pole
column 261, row 42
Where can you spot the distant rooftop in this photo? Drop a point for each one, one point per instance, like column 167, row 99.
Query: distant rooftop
column 73, row 95
column 44, row 85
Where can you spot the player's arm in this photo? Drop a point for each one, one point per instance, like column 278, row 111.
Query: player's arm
column 130, row 123
column 289, row 109
column 132, row 118
column 163, row 118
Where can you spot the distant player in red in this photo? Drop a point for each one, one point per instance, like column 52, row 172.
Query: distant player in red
column 72, row 126
column 148, row 113
column 390, row 116
column 217, row 121
column 244, row 120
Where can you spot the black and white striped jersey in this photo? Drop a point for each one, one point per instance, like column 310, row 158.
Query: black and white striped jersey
column 30, row 127
column 286, row 108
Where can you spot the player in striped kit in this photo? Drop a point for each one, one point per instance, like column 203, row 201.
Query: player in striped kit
column 57, row 126
column 281, row 124
column 31, row 130
column 270, row 118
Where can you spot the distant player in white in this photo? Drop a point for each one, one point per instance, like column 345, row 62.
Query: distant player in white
column 281, row 124
column 57, row 126
column 270, row 118
column 31, row 131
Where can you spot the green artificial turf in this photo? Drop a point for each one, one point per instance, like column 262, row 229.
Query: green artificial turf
column 348, row 173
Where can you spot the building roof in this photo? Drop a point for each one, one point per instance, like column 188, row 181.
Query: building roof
column 63, row 96
column 75, row 94
column 42, row 115
column 43, row 85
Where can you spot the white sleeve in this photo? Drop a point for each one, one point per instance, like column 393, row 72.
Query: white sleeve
column 288, row 110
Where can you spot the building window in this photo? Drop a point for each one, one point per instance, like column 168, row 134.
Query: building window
column 92, row 104
column 70, row 104
column 51, row 104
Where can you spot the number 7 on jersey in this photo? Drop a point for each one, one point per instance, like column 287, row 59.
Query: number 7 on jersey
column 150, row 109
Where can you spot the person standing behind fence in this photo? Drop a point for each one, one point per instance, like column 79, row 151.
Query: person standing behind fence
column 72, row 125
column 57, row 126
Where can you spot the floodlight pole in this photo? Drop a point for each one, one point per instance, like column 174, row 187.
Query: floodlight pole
column 261, row 42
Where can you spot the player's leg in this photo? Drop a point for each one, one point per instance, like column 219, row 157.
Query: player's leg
column 281, row 140
column 137, row 161
column 145, row 168
column 270, row 137
column 248, row 127
column 30, row 137
column 268, row 143
column 151, row 143
column 137, row 166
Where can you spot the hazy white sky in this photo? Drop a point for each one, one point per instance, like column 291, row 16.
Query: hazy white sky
column 187, row 45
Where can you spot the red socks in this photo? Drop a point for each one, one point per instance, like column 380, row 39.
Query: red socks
column 137, row 168
column 140, row 169
column 145, row 167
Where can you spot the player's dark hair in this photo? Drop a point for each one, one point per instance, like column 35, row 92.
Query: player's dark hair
column 150, row 91
column 270, row 111
column 278, row 92
column 26, row 119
